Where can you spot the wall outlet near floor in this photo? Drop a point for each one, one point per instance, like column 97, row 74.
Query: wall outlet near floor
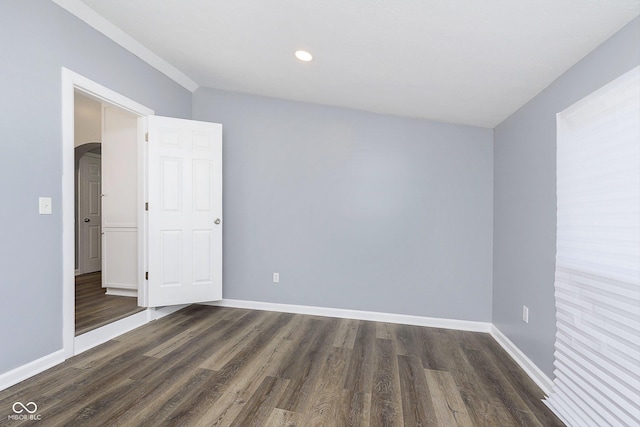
column 525, row 314
column 276, row 277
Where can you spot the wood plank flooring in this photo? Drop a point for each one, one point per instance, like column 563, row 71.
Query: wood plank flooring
column 94, row 308
column 213, row 366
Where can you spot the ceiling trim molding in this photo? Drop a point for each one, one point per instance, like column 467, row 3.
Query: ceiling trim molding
column 102, row 25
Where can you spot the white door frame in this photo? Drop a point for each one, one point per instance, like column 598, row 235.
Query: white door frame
column 71, row 82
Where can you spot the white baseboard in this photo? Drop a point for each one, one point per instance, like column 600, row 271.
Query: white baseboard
column 77, row 272
column 84, row 342
column 407, row 319
column 98, row 336
column 30, row 369
column 539, row 377
column 90, row 339
column 122, row 292
column 108, row 332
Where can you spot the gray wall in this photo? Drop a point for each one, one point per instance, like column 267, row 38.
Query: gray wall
column 525, row 198
column 38, row 38
column 355, row 210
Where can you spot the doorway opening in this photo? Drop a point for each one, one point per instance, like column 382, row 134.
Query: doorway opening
column 73, row 83
column 171, row 169
column 106, row 259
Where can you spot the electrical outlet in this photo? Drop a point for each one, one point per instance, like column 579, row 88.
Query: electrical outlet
column 525, row 314
column 276, row 277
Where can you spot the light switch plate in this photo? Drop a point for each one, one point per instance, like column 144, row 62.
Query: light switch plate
column 44, row 205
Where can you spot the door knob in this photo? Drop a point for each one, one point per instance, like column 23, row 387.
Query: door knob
column 87, row 220
column 217, row 221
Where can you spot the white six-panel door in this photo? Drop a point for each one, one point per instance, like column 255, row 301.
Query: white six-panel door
column 184, row 180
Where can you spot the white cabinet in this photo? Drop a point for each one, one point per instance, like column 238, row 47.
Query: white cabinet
column 119, row 202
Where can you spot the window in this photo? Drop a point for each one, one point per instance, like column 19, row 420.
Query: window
column 597, row 284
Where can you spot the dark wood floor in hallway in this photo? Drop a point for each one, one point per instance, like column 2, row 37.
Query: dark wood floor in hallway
column 212, row 366
column 94, row 308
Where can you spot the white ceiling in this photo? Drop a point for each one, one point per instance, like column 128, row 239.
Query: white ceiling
column 458, row 61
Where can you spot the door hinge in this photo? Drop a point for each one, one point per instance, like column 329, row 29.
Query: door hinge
column 146, row 275
column 146, row 137
column 146, row 206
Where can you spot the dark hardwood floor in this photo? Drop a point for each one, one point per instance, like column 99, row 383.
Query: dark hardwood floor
column 212, row 366
column 94, row 308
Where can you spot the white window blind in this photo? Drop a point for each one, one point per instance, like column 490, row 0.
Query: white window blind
column 597, row 282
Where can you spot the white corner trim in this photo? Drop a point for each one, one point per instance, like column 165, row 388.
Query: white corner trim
column 407, row 319
column 30, row 369
column 104, row 26
column 535, row 373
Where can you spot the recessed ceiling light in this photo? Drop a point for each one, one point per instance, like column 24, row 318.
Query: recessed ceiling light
column 303, row 55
